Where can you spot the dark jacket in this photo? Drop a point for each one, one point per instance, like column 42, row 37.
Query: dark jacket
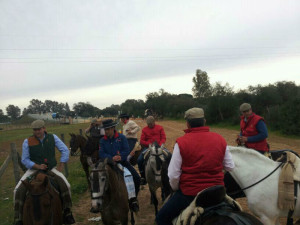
column 117, row 145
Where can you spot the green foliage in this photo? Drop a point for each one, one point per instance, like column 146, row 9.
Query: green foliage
column 202, row 87
column 13, row 111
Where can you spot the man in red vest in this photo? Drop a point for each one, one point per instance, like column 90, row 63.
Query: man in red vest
column 254, row 131
column 197, row 163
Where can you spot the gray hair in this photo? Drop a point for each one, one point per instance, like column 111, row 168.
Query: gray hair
column 150, row 120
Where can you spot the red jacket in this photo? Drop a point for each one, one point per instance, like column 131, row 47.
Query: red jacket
column 149, row 135
column 249, row 129
column 202, row 155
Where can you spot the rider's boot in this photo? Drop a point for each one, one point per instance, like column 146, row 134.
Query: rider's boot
column 143, row 178
column 134, row 205
column 68, row 217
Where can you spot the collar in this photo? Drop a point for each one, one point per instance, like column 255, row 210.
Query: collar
column 115, row 136
column 197, row 129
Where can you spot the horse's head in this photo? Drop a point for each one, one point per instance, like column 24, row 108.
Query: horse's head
column 99, row 183
column 40, row 203
column 156, row 160
column 76, row 141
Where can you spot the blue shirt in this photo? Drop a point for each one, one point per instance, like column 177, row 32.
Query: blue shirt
column 262, row 132
column 117, row 145
column 58, row 144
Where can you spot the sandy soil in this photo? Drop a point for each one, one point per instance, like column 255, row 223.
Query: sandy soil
column 173, row 130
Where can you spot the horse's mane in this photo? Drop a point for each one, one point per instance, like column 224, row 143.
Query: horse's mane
column 111, row 164
column 249, row 151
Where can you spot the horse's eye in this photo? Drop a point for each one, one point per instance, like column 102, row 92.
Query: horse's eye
column 103, row 179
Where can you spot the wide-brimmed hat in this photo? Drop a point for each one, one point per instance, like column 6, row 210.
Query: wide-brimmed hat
column 93, row 120
column 37, row 124
column 124, row 115
column 108, row 123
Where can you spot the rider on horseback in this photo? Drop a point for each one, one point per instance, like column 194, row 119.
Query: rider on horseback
column 95, row 130
column 254, row 131
column 38, row 153
column 115, row 146
column 150, row 134
column 197, row 163
column 130, row 130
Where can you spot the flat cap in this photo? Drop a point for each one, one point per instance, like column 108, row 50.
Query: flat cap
column 194, row 113
column 245, row 107
column 37, row 124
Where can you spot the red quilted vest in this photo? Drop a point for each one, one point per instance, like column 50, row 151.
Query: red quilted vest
column 202, row 155
column 248, row 129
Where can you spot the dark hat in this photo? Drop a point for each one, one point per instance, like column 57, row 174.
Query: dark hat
column 108, row 123
column 37, row 124
column 124, row 115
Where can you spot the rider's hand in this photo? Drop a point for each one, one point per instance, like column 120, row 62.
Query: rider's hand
column 117, row 158
column 132, row 153
column 43, row 166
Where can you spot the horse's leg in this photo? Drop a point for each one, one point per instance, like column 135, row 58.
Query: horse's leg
column 154, row 200
column 85, row 167
column 131, row 218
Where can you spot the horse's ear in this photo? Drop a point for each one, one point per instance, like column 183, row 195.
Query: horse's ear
column 71, row 134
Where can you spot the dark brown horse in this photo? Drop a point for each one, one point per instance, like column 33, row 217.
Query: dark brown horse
column 88, row 150
column 109, row 193
column 42, row 205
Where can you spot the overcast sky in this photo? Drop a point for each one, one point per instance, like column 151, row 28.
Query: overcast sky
column 105, row 52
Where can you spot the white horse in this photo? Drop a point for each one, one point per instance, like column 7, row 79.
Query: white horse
column 250, row 167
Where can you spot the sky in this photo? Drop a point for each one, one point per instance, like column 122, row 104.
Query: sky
column 104, row 52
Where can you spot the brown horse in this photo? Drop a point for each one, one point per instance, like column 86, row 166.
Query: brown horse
column 42, row 205
column 88, row 149
column 109, row 193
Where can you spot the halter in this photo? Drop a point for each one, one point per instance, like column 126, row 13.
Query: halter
column 51, row 197
column 156, row 157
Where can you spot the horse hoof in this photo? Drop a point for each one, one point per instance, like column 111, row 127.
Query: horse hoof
column 93, row 210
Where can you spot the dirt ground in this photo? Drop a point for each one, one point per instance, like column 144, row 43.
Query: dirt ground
column 173, row 130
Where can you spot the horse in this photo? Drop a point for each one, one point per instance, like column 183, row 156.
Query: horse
column 109, row 193
column 153, row 171
column 43, row 204
column 212, row 207
column 258, row 176
column 88, row 148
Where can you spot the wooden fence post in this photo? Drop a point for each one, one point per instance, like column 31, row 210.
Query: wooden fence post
column 80, row 131
column 5, row 164
column 15, row 161
column 66, row 164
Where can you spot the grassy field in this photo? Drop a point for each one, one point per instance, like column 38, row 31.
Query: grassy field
column 7, row 183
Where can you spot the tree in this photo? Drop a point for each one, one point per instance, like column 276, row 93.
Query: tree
column 86, row 109
column 202, row 87
column 13, row 111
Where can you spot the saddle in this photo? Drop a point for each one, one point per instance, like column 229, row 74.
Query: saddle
column 206, row 203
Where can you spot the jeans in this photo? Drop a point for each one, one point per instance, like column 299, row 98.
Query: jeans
column 135, row 175
column 173, row 207
column 140, row 162
column 131, row 143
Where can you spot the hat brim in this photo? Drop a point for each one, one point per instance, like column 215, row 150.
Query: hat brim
column 109, row 125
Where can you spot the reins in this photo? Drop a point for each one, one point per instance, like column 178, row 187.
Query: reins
column 236, row 192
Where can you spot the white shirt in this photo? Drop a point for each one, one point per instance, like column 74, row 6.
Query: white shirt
column 174, row 170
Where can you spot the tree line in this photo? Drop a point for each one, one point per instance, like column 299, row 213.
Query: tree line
column 278, row 103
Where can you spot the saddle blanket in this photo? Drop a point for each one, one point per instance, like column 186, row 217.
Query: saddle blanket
column 129, row 183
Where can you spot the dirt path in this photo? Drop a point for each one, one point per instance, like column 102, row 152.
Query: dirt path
column 173, row 130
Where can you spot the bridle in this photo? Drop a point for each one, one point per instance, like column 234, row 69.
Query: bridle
column 236, row 192
column 37, row 197
column 158, row 160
